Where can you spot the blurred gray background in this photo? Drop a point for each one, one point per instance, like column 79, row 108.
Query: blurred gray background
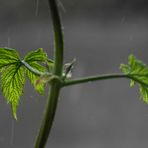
column 100, row 34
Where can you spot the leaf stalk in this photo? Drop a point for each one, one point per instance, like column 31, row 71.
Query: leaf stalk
column 103, row 77
column 35, row 71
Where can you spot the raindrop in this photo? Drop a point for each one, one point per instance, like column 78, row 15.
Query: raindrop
column 60, row 5
column 12, row 133
column 37, row 8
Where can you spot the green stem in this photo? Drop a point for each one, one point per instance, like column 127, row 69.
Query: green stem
column 48, row 116
column 93, row 78
column 58, row 38
column 55, row 85
column 103, row 77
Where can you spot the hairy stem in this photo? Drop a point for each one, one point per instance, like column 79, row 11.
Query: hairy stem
column 55, row 85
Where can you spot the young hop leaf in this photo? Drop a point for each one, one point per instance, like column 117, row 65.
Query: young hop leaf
column 12, row 77
column 33, row 58
column 138, row 72
column 13, row 72
column 33, row 78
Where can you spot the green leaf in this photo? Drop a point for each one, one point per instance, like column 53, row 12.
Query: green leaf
column 8, row 56
column 33, row 58
column 12, row 78
column 132, row 83
column 37, row 55
column 125, row 68
column 33, row 78
column 144, row 93
column 42, row 80
column 12, row 85
column 12, row 73
column 138, row 72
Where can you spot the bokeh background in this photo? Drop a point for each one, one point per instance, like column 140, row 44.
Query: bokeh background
column 100, row 34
